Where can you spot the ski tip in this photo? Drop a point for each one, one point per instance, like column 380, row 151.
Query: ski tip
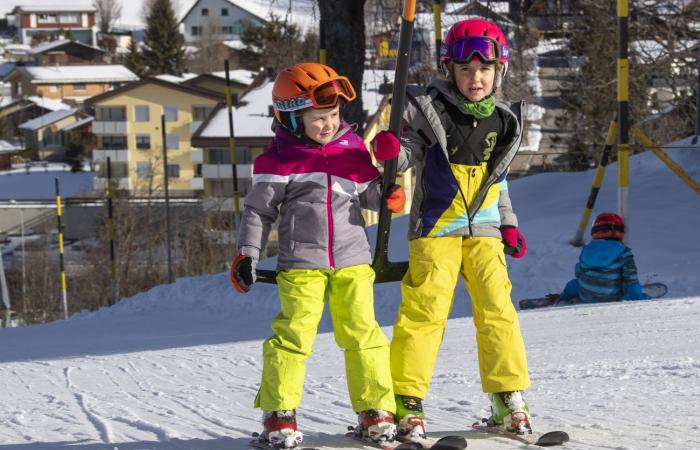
column 407, row 446
column 552, row 438
column 450, row 443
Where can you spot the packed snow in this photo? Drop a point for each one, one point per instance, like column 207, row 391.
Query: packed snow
column 178, row 367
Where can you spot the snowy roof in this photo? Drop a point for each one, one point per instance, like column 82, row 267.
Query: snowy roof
column 241, row 76
column 10, row 146
column 250, row 120
column 47, row 119
column 54, row 8
column 176, row 79
column 46, row 46
column 80, row 73
column 48, row 103
column 6, row 68
column 79, row 123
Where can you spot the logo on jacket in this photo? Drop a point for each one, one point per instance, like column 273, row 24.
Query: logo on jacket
column 490, row 141
column 343, row 142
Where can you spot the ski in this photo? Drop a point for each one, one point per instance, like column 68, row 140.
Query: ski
column 653, row 290
column 393, row 445
column 443, row 443
column 548, row 439
column 256, row 443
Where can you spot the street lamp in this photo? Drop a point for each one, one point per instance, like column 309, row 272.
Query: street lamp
column 24, row 271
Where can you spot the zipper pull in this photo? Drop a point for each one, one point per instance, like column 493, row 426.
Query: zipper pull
column 475, row 123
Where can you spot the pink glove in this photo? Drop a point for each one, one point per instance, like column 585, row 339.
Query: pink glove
column 385, row 146
column 514, row 241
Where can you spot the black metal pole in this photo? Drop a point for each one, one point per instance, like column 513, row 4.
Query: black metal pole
column 110, row 231
column 168, row 236
column 64, row 290
column 386, row 271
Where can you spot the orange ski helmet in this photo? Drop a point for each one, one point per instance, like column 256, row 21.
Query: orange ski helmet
column 608, row 226
column 475, row 38
column 307, row 85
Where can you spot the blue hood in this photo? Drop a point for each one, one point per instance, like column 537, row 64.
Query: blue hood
column 601, row 253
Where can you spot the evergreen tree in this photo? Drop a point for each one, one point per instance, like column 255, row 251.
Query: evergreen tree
column 134, row 59
column 164, row 50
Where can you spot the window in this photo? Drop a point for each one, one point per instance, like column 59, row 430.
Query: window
column 224, row 11
column 172, row 141
column 205, row 11
column 173, row 170
column 196, row 31
column 69, row 18
column 79, row 86
column 219, row 156
column 114, row 142
column 141, row 113
column 51, row 138
column 47, row 18
column 119, row 170
column 227, row 29
column 236, row 28
column 53, row 88
column 143, row 141
column 143, row 169
column 170, row 113
column 200, row 113
column 111, row 113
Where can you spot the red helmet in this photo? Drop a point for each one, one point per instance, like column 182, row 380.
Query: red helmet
column 473, row 38
column 608, row 226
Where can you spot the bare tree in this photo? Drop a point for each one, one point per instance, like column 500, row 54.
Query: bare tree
column 109, row 11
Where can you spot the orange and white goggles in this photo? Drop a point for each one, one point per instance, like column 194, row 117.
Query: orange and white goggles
column 324, row 95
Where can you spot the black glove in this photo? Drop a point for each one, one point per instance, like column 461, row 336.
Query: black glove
column 242, row 273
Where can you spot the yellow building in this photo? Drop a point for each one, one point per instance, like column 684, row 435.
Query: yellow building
column 128, row 129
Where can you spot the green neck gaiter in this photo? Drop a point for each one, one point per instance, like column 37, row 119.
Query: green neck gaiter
column 480, row 110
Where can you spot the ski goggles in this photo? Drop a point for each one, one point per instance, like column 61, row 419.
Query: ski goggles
column 324, row 95
column 465, row 49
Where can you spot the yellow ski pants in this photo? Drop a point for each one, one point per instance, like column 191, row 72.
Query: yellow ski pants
column 427, row 292
column 351, row 300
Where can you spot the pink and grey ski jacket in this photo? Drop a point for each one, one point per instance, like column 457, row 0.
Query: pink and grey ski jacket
column 317, row 192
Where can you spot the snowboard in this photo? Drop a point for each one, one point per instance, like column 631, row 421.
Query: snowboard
column 653, row 290
column 547, row 439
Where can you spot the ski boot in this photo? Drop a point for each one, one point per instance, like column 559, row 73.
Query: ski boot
column 409, row 412
column 280, row 429
column 510, row 411
column 376, row 425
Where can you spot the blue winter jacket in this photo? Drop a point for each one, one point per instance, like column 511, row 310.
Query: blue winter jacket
column 605, row 273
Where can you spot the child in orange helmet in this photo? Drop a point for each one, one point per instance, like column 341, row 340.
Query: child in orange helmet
column 315, row 176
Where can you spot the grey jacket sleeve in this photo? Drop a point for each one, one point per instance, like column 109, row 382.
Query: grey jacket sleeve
column 505, row 208
column 260, row 212
column 371, row 198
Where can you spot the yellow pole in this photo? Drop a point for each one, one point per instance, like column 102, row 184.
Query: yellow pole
column 646, row 142
column 437, row 19
column 322, row 41
column 623, row 114
column 578, row 239
column 64, row 291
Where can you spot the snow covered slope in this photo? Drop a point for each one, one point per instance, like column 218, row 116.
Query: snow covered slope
column 178, row 367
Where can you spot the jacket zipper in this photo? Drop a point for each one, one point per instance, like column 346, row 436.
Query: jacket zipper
column 329, row 210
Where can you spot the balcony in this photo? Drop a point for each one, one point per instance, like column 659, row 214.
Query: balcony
column 224, row 171
column 197, row 184
column 103, row 127
column 116, row 154
column 196, row 155
column 194, row 126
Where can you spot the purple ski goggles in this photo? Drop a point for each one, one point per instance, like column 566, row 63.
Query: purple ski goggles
column 465, row 49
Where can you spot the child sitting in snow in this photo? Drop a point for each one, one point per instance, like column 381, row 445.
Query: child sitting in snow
column 606, row 271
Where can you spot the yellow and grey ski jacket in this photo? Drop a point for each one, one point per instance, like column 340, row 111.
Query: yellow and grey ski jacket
column 453, row 197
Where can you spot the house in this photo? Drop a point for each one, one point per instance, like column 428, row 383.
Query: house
column 128, row 129
column 227, row 16
column 43, row 135
column 21, row 110
column 66, row 52
column 74, row 83
column 42, row 22
column 8, row 149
